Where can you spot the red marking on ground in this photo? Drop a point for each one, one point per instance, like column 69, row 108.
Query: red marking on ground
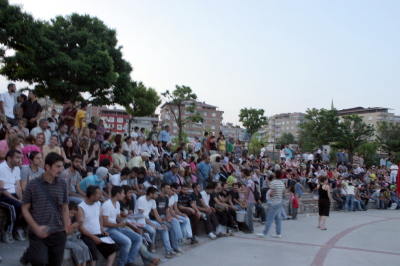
column 324, row 250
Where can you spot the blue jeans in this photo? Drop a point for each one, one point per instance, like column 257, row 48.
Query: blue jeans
column 349, row 202
column 274, row 214
column 249, row 216
column 164, row 237
column 186, row 227
column 175, row 233
column 129, row 243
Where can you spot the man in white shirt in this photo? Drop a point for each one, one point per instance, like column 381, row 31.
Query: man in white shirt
column 128, row 146
column 7, row 102
column 42, row 128
column 11, row 193
column 128, row 240
column 394, row 168
column 146, row 204
column 91, row 227
column 350, row 194
column 122, row 178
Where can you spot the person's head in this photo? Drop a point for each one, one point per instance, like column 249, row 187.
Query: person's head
column 68, row 143
column 32, row 96
column 117, row 149
column 152, row 193
column 40, row 139
column 125, row 173
column 67, row 104
column 64, row 129
column 136, row 129
column 128, row 139
column 324, row 180
column 54, row 140
column 84, row 143
column 11, row 88
column 210, row 188
column 94, row 147
column 107, row 151
column 174, row 168
column 235, row 187
column 43, row 124
column 102, row 172
column 166, row 128
column 105, row 163
column 118, row 139
column 196, row 187
column 21, row 123
column 166, row 189
column 76, row 162
column 145, row 156
column 14, row 158
column 53, row 164
column 117, row 193
column 176, row 188
column 142, row 130
column 83, row 105
column 128, row 191
column 35, row 158
column 93, row 193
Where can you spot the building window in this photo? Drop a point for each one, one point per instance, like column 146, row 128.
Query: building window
column 120, row 120
column 119, row 127
column 214, row 114
column 111, row 119
column 205, row 113
column 212, row 127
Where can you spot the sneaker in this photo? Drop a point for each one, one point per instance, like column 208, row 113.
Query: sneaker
column 169, row 255
column 20, row 235
column 8, row 238
column 277, row 236
column 178, row 251
column 261, row 235
column 212, row 236
column 194, row 241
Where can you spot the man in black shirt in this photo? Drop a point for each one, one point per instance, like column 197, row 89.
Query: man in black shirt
column 31, row 110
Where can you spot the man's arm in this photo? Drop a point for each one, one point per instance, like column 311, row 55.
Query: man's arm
column 18, row 189
column 40, row 230
column 5, row 192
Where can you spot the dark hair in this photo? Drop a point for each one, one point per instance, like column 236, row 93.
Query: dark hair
column 163, row 185
column 32, row 155
column 10, row 85
column 11, row 153
column 322, row 179
column 151, row 190
column 118, row 139
column 175, row 185
column 53, row 158
column 194, row 185
column 117, row 148
column 135, row 170
column 125, row 171
column 127, row 188
column 76, row 156
column 72, row 206
column 91, row 190
column 105, row 162
column 107, row 135
column 83, row 104
column 115, row 190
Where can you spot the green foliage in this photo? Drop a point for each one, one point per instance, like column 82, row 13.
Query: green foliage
column 252, row 119
column 256, row 143
column 320, row 127
column 388, row 136
column 368, row 151
column 353, row 132
column 183, row 100
column 286, row 139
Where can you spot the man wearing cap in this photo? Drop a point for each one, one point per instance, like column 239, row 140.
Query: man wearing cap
column 95, row 180
column 171, row 176
column 139, row 161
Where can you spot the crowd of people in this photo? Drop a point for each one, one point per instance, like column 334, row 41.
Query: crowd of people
column 79, row 187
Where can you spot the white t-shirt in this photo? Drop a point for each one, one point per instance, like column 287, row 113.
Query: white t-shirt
column 116, row 180
column 91, row 217
column 205, row 197
column 8, row 103
column 172, row 200
column 394, row 169
column 108, row 209
column 9, row 177
column 350, row 190
column 144, row 206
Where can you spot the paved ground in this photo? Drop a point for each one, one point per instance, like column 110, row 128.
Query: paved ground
column 359, row 238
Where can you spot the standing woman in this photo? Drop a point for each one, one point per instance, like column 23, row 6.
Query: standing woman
column 324, row 201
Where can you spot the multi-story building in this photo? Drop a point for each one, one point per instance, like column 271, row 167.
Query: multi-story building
column 283, row 123
column 212, row 119
column 371, row 115
column 146, row 122
column 116, row 121
column 235, row 132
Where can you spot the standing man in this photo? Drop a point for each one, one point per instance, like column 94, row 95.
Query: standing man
column 275, row 201
column 164, row 136
column 68, row 114
column 31, row 110
column 45, row 208
column 7, row 102
column 204, row 171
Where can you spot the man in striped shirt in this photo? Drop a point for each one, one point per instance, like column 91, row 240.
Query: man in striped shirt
column 275, row 201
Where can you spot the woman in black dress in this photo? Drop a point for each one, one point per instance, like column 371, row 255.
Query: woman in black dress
column 324, row 202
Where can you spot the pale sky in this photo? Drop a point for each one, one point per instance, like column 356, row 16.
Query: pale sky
column 282, row 56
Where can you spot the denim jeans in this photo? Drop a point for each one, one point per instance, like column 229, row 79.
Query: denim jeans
column 349, row 202
column 175, row 233
column 357, row 205
column 274, row 214
column 164, row 237
column 249, row 216
column 129, row 244
column 186, row 227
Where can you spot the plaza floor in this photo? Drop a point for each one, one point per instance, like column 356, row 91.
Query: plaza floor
column 355, row 238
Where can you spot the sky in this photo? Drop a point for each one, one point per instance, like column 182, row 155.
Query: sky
column 281, row 56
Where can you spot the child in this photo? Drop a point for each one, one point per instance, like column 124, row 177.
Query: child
column 294, row 203
column 79, row 251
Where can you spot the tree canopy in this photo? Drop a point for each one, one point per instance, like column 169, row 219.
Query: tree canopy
column 252, row 119
column 286, row 139
column 181, row 104
column 388, row 136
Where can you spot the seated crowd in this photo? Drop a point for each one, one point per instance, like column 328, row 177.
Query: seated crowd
column 123, row 192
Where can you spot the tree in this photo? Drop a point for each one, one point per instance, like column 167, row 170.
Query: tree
column 181, row 104
column 252, row 119
column 353, row 132
column 320, row 127
column 368, row 152
column 256, row 143
column 388, row 137
column 72, row 57
column 286, row 139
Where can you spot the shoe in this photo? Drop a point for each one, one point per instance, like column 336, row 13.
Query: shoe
column 178, row 251
column 155, row 262
column 277, row 236
column 194, row 241
column 19, row 235
column 212, row 236
column 230, row 232
column 169, row 255
column 8, row 238
column 261, row 235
